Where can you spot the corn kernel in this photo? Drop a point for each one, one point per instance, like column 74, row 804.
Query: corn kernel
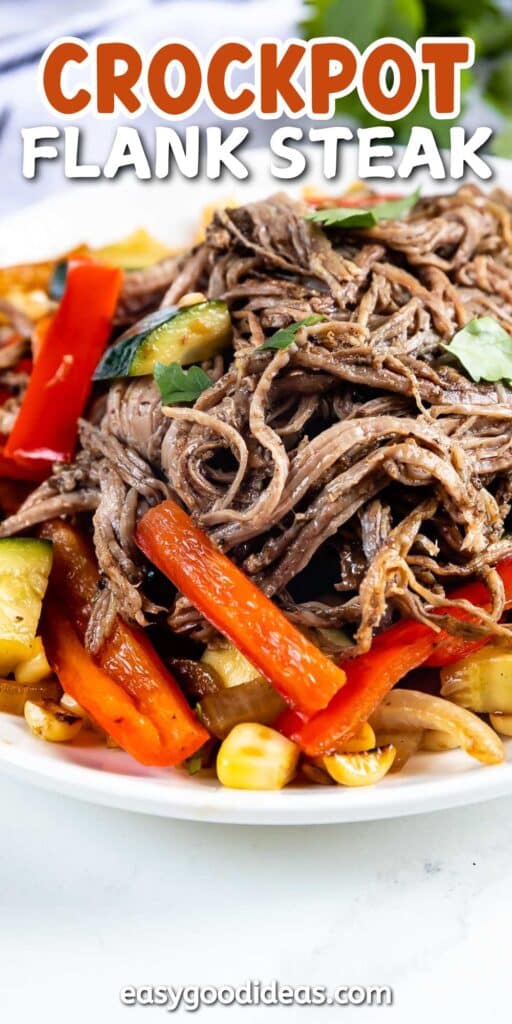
column 72, row 706
column 360, row 769
column 51, row 722
column 364, row 739
column 256, row 757
column 34, row 668
column 190, row 299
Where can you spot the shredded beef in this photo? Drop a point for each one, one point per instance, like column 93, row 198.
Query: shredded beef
column 355, row 474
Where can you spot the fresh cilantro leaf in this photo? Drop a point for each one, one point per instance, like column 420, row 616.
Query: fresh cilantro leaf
column 356, row 217
column 484, row 349
column 344, row 216
column 286, row 336
column 178, row 385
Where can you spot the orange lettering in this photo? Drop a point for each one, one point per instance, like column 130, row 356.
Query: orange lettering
column 162, row 98
column 383, row 104
column 112, row 85
column 276, row 77
column 445, row 57
column 325, row 83
column 228, row 53
column 56, row 61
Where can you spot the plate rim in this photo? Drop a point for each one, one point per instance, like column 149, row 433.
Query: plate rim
column 394, row 797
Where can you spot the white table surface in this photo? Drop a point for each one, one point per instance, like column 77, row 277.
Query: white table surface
column 93, row 899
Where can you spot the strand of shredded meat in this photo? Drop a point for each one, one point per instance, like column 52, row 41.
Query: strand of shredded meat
column 354, row 475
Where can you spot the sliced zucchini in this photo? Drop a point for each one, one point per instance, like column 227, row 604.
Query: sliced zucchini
column 231, row 666
column 57, row 285
column 25, row 565
column 183, row 336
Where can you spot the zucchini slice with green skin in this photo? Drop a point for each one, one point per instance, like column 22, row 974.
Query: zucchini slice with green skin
column 25, row 565
column 184, row 336
column 57, row 285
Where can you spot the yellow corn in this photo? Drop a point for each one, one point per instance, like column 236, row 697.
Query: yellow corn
column 360, row 769
column 256, row 757
column 363, row 740
column 72, row 707
column 35, row 304
column 134, row 252
column 51, row 722
column 35, row 667
column 502, row 723
column 191, row 299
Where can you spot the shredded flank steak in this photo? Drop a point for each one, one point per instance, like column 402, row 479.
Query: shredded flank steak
column 356, row 474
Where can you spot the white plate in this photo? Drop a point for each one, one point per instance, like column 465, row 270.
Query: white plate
column 97, row 214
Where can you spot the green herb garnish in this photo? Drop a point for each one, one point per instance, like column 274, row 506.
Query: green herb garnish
column 286, row 336
column 178, row 385
column 357, row 217
column 194, row 763
column 484, row 349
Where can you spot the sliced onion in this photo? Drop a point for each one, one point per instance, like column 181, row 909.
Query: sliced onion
column 255, row 701
column 409, row 709
column 436, row 741
column 318, row 776
column 13, row 696
column 405, row 743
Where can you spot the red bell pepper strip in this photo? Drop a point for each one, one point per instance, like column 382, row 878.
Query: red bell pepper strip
column 101, row 696
column 304, row 677
column 22, row 470
column 369, row 677
column 395, row 652
column 46, row 425
column 449, row 648
column 127, row 654
column 25, row 365
column 289, row 722
column 9, row 469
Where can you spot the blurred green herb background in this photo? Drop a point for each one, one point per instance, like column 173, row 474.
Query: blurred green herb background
column 489, row 82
